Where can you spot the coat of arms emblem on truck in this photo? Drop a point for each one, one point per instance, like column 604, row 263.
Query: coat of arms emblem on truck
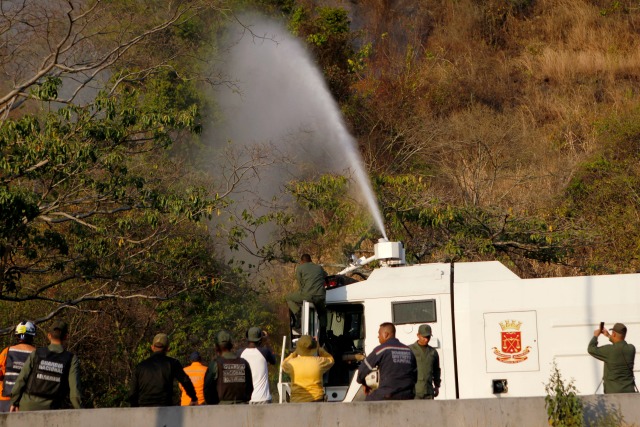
column 511, row 343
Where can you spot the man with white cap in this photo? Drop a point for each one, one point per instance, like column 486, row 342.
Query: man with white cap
column 428, row 384
column 618, row 359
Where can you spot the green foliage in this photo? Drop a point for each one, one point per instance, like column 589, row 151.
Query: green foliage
column 433, row 230
column 564, row 407
column 330, row 22
column 48, row 90
column 327, row 32
column 604, row 195
column 82, row 189
column 614, row 7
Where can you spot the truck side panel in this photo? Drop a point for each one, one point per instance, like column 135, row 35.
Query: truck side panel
column 515, row 329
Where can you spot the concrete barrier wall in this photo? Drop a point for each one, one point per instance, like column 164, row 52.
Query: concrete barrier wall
column 520, row 412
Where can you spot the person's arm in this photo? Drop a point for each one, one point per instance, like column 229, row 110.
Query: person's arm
column 299, row 277
column 600, row 353
column 268, row 355
column 367, row 365
column 248, row 381
column 210, row 386
column 286, row 366
column 414, row 367
column 21, row 382
column 75, row 392
column 3, row 362
column 436, row 373
column 133, row 390
column 184, row 380
column 326, row 360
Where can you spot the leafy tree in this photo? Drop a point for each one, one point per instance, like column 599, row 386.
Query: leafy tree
column 94, row 205
column 328, row 34
column 431, row 230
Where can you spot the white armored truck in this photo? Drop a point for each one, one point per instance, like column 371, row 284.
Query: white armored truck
column 497, row 334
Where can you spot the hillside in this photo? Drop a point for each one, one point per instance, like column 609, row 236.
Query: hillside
column 518, row 118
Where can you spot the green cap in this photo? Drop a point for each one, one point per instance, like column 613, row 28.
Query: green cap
column 424, row 331
column 161, row 341
column 254, row 334
column 223, row 337
column 620, row 328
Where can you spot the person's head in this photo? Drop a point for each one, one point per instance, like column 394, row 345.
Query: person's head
column 58, row 333
column 224, row 341
column 305, row 258
column 195, row 357
column 386, row 332
column 160, row 343
column 25, row 332
column 424, row 335
column 254, row 336
column 307, row 346
column 618, row 332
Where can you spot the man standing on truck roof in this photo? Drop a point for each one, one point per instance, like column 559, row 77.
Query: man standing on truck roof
column 396, row 365
column 310, row 277
column 428, row 384
column 618, row 359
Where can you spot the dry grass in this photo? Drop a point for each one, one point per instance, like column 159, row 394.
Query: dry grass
column 509, row 121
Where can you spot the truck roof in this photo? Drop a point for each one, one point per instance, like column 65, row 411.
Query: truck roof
column 419, row 279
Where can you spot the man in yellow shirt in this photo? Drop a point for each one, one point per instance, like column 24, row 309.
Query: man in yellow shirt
column 305, row 366
column 196, row 372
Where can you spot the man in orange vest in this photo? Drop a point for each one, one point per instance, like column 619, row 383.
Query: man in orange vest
column 12, row 359
column 196, row 372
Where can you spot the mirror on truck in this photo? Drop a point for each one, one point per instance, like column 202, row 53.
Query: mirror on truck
column 499, row 386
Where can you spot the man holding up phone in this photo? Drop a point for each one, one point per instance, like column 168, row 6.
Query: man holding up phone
column 618, row 359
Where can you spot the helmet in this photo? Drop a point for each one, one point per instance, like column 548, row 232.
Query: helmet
column 25, row 329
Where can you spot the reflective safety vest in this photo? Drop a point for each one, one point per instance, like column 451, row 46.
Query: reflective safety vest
column 196, row 372
column 232, row 380
column 14, row 363
column 50, row 375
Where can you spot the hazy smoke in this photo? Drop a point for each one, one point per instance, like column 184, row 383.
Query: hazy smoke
column 278, row 101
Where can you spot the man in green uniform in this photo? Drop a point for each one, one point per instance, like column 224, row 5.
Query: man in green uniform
column 428, row 384
column 618, row 359
column 49, row 377
column 310, row 277
column 228, row 378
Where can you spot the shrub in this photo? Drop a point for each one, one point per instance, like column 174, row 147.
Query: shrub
column 564, row 407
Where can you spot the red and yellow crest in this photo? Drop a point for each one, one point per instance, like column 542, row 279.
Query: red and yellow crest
column 511, row 343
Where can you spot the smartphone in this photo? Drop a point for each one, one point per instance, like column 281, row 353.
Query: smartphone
column 601, row 326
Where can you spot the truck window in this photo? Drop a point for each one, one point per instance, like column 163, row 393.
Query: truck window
column 414, row 312
column 345, row 339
